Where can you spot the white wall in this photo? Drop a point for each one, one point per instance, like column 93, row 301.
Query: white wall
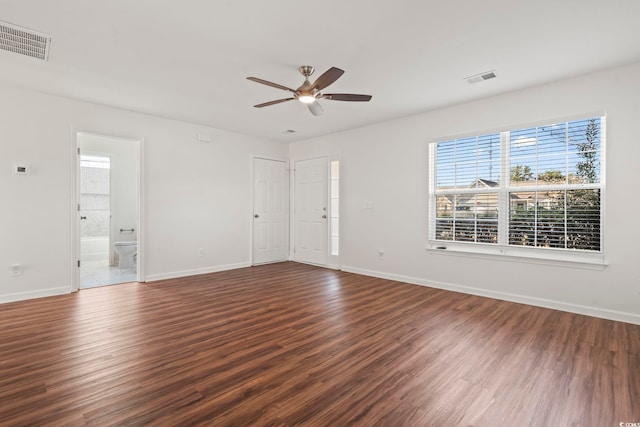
column 196, row 195
column 387, row 163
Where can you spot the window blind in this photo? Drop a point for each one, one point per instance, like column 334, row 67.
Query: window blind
column 538, row 186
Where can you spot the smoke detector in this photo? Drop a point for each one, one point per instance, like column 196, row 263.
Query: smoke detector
column 487, row 75
column 24, row 41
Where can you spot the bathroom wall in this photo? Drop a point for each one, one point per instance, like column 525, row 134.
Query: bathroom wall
column 196, row 196
column 95, row 190
column 124, row 181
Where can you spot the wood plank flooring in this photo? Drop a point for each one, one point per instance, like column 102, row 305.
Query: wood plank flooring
column 290, row 344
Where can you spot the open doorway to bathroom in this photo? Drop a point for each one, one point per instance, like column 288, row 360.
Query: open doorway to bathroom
column 107, row 197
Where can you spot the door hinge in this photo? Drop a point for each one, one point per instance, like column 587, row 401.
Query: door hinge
column 78, row 207
column 78, row 150
column 78, row 263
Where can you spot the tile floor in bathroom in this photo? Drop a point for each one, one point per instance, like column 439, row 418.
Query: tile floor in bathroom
column 99, row 273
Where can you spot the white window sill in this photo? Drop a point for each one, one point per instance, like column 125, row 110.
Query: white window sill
column 556, row 257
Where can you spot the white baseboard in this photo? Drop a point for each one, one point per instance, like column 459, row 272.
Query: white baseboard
column 41, row 293
column 194, row 272
column 603, row 313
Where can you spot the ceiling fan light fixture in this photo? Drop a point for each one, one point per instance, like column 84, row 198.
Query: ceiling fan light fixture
column 307, row 99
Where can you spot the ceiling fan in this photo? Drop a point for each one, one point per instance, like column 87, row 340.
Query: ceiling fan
column 309, row 93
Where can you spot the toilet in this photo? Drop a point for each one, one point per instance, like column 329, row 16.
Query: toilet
column 127, row 252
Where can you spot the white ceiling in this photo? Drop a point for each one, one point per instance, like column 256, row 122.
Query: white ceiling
column 189, row 60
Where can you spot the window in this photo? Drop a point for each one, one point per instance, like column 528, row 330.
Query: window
column 335, row 207
column 538, row 187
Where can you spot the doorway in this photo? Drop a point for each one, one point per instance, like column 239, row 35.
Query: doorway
column 270, row 211
column 107, row 194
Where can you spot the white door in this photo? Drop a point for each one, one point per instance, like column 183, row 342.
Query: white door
column 270, row 211
column 311, row 192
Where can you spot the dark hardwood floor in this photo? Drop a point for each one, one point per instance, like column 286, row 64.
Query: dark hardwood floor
column 290, row 344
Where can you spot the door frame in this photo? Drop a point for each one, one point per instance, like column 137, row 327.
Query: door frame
column 333, row 261
column 74, row 218
column 251, row 201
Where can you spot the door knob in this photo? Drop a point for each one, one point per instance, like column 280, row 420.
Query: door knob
column 324, row 216
column 83, row 217
column 256, row 216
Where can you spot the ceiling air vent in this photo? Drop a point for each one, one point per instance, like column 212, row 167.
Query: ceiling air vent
column 487, row 75
column 24, row 42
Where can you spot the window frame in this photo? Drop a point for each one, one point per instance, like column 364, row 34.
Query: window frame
column 502, row 249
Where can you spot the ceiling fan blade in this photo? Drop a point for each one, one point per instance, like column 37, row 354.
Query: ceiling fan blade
column 346, row 97
column 328, row 77
column 265, row 82
column 315, row 108
column 277, row 101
